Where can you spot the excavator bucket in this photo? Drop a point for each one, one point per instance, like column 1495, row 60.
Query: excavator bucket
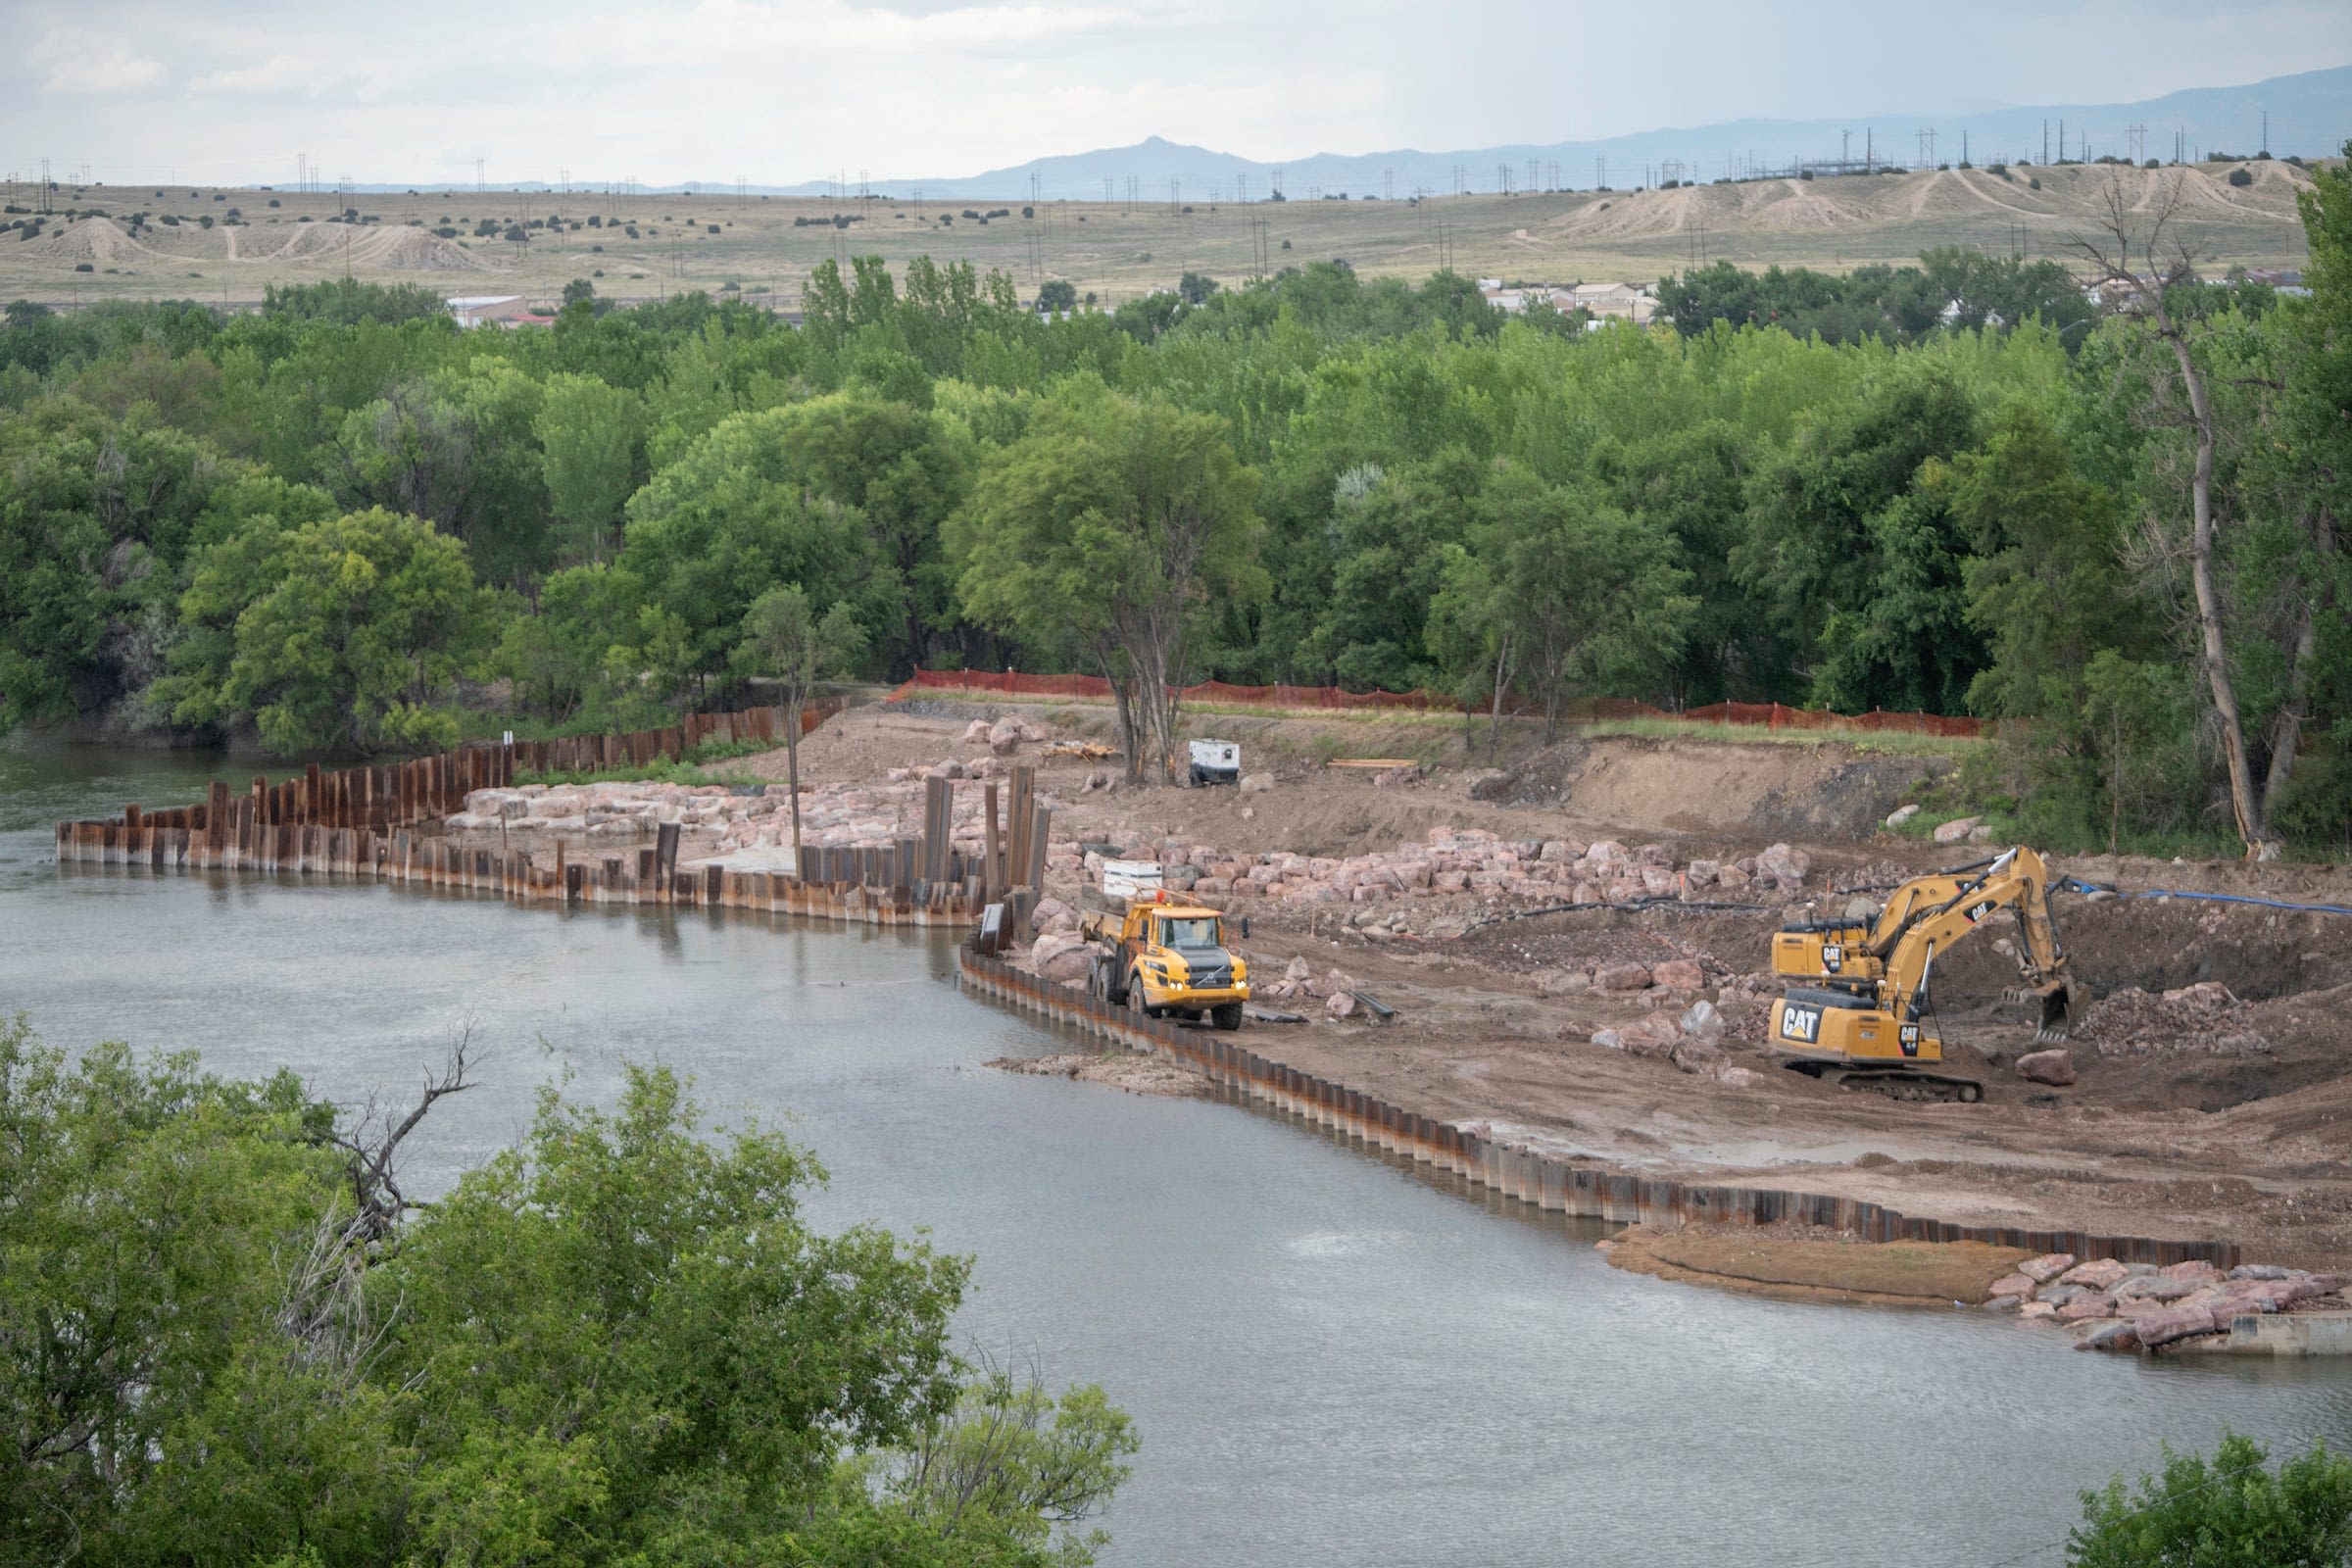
column 2059, row 1004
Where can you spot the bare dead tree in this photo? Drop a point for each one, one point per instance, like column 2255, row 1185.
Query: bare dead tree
column 2135, row 264
column 371, row 1147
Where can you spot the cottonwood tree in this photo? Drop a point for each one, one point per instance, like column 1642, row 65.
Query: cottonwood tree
column 1559, row 590
column 1113, row 530
column 2143, row 262
column 787, row 642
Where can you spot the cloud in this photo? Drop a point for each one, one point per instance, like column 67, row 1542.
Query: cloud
column 78, row 61
column 277, row 73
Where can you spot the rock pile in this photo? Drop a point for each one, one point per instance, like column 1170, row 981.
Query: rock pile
column 2108, row 1306
column 1480, row 863
column 743, row 818
column 2202, row 1017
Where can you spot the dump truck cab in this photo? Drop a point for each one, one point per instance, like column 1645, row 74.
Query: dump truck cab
column 1165, row 959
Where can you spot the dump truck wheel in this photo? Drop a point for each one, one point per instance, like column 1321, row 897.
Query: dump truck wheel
column 1227, row 1017
column 1135, row 996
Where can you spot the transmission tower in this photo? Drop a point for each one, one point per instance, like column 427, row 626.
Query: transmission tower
column 2136, row 138
column 1600, row 174
column 1387, row 184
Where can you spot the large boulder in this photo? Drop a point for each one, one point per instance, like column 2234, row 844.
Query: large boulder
column 1071, row 966
column 1342, row 1004
column 1677, row 974
column 2099, row 1274
column 2013, row 1287
column 1694, row 1057
column 2053, row 1067
column 2164, row 1324
column 2048, row 1268
column 2089, row 1304
column 976, row 732
column 1621, row 977
column 1957, row 830
column 2105, row 1333
column 1784, row 867
column 1701, row 1021
column 2154, row 1287
column 1049, row 945
column 1005, row 736
column 1046, row 912
column 2197, row 1271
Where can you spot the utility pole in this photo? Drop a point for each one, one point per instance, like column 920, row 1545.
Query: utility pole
column 1387, row 184
column 1600, row 172
column 480, row 184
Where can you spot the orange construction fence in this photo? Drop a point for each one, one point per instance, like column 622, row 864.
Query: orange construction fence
column 1766, row 715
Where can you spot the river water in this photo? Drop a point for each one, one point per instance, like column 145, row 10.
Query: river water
column 1332, row 1358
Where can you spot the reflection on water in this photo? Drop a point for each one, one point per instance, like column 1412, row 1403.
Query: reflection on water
column 1333, row 1358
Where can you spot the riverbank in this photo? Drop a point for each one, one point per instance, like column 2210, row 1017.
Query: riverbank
column 1592, row 990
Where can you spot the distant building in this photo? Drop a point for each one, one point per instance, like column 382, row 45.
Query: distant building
column 509, row 311
column 1606, row 302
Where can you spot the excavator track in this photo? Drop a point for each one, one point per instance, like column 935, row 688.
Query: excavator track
column 1895, row 1083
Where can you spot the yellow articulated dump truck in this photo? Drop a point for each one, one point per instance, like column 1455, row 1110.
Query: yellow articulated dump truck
column 1163, row 958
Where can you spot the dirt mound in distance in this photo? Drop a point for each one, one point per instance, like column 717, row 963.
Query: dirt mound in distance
column 93, row 239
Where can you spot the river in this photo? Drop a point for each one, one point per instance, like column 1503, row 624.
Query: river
column 1332, row 1358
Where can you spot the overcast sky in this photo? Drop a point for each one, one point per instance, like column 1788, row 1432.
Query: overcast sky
column 779, row 91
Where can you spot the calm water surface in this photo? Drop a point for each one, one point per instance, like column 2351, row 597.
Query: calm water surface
column 1333, row 1361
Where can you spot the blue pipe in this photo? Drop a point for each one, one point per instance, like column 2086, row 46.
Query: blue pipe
column 2074, row 884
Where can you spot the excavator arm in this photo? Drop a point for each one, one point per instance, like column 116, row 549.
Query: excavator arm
column 2020, row 881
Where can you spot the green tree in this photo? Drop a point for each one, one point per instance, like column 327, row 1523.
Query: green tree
column 786, row 641
column 2232, row 1511
column 904, row 470
column 225, row 1334
column 1058, row 294
column 1112, row 532
column 1560, row 592
column 589, row 434
column 374, row 617
column 710, row 533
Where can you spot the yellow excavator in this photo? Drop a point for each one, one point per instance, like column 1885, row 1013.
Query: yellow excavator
column 1865, row 1019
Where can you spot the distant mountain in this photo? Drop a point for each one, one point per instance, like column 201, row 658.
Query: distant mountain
column 2310, row 115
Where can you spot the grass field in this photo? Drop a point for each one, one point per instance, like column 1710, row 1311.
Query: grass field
column 711, row 241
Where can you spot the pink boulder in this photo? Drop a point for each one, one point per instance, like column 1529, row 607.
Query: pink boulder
column 2089, row 1304
column 1679, row 974
column 2196, row 1271
column 2048, row 1268
column 2053, row 1067
column 2099, row 1274
column 1621, row 977
column 2012, row 1285
column 2165, row 1324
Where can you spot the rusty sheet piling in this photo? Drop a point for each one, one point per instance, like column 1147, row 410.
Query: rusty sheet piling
column 1547, row 1184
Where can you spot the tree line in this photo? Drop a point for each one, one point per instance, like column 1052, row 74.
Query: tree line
column 1962, row 487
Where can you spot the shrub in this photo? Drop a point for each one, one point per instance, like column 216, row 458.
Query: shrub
column 713, row 227
column 2232, row 1509
column 2241, row 177
column 274, row 201
column 2034, row 183
column 83, row 267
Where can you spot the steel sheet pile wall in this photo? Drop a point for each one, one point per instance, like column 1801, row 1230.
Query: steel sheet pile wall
column 395, row 795
column 922, row 881
column 1586, row 1191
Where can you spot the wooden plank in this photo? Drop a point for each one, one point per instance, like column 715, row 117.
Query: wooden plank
column 1382, row 763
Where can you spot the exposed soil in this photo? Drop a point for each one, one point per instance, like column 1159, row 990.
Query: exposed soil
column 2225, row 1114
column 1138, row 1075
column 1790, row 1261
